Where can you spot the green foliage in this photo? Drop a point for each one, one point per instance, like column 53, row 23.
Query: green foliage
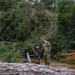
column 65, row 12
column 49, row 4
column 71, row 62
column 64, row 38
column 65, row 25
column 25, row 22
column 18, row 22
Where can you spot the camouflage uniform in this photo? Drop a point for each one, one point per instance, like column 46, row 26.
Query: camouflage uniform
column 47, row 48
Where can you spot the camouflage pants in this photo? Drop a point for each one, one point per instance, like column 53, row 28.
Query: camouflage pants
column 47, row 58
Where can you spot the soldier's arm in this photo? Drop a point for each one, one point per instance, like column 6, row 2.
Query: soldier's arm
column 42, row 49
column 49, row 45
column 34, row 50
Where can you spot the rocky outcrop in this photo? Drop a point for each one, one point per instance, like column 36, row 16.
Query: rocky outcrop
column 33, row 69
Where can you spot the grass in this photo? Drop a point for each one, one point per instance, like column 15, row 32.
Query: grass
column 17, row 57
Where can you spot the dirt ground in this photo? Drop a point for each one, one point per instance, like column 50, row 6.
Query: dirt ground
column 54, row 63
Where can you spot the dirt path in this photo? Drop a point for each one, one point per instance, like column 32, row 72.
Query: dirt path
column 60, row 64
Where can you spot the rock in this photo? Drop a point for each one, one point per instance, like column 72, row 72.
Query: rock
column 33, row 69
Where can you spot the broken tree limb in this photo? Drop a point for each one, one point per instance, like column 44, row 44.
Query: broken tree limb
column 56, row 57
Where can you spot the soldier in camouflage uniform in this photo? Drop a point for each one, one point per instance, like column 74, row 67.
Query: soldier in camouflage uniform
column 47, row 49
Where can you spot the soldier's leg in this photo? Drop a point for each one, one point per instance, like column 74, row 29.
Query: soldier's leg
column 48, row 59
column 35, row 58
column 38, row 60
column 45, row 58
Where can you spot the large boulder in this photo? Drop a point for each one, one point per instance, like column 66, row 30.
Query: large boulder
column 33, row 69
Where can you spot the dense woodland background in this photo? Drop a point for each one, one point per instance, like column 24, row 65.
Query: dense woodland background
column 25, row 21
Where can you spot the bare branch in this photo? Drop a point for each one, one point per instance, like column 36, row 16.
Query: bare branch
column 9, row 37
column 7, row 29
